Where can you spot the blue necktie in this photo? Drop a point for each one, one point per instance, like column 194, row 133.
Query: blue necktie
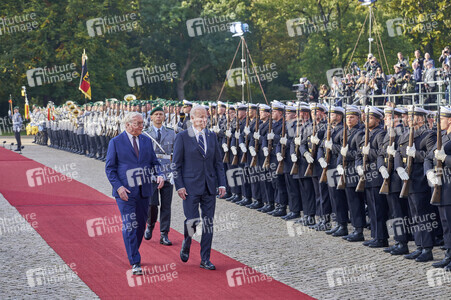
column 201, row 143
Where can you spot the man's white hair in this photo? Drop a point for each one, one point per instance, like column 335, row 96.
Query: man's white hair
column 130, row 116
column 195, row 109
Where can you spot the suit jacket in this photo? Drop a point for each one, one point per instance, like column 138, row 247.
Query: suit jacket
column 194, row 171
column 124, row 168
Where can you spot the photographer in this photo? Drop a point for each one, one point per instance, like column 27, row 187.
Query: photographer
column 445, row 57
column 348, row 87
column 323, row 93
column 392, row 88
column 402, row 61
column 399, row 72
column 312, row 91
column 429, row 80
column 407, row 87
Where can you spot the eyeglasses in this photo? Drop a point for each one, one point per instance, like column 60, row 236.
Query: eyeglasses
column 137, row 124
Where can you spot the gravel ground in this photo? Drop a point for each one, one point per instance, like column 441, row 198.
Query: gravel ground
column 309, row 261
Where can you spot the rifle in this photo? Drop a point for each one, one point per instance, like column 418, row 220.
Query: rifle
column 237, row 132
column 254, row 158
column 279, row 169
column 406, row 184
column 309, row 170
column 385, row 188
column 267, row 159
column 361, row 185
column 226, row 154
column 437, row 193
column 295, row 167
column 323, row 177
column 342, row 181
column 246, row 136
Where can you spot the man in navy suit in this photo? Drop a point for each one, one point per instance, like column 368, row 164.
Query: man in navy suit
column 199, row 170
column 130, row 164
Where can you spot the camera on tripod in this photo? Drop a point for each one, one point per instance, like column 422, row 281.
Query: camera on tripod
column 301, row 89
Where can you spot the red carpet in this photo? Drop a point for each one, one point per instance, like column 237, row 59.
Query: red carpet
column 62, row 210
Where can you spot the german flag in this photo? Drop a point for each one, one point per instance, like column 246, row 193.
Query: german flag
column 85, row 83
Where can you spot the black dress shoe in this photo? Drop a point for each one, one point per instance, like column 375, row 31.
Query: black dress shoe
column 256, row 205
column 379, row 243
column 443, row 263
column 184, row 252
column 280, row 212
column 341, row 231
column 136, row 269
column 263, row 207
column 236, row 199
column 414, row 254
column 268, row 208
column 367, row 243
column 401, row 249
column 207, row 265
column 245, row 201
column 148, row 232
column 356, row 236
column 164, row 240
column 333, row 229
column 426, row 255
column 324, row 226
column 439, row 242
column 291, row 215
column 391, row 248
column 230, row 198
column 309, row 221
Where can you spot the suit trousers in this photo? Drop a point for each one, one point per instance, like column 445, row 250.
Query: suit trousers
column 134, row 217
column 191, row 204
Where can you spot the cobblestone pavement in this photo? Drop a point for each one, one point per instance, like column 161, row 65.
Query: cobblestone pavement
column 307, row 260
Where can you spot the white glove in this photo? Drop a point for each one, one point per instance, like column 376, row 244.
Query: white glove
column 279, row 156
column 216, row 129
column 314, row 139
column 256, row 135
column 440, row 155
column 228, row 133
column 402, row 173
column 366, row 150
column 410, row 151
column 322, row 162
column 233, row 148
column 432, row 178
column 271, row 135
column 283, row 141
column 340, row 170
column 265, row 151
column 344, row 150
column 391, row 150
column 308, row 157
column 294, row 158
column 384, row 172
column 328, row 144
column 225, row 148
column 246, row 130
column 243, row 148
column 252, row 151
column 237, row 134
column 359, row 170
column 297, row 141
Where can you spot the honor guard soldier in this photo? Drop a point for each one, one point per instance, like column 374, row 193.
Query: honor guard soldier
column 17, row 127
column 437, row 166
column 414, row 144
column 366, row 166
column 349, row 177
column 220, row 129
column 163, row 141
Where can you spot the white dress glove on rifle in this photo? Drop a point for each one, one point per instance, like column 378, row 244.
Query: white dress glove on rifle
column 322, row 162
column 384, row 172
column 283, row 141
column 225, row 148
column 246, row 130
column 271, row 135
column 279, row 156
column 360, row 170
column 344, row 150
column 440, row 155
column 391, row 150
column 328, row 144
column 314, row 139
column 402, row 173
column 340, row 170
column 297, row 141
column 308, row 157
column 410, row 151
column 233, row 148
column 432, row 178
column 265, row 151
column 366, row 150
column 228, row 133
column 294, row 158
column 252, row 151
column 243, row 148
column 256, row 135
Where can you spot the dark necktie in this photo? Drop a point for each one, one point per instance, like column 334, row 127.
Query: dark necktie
column 135, row 146
column 200, row 140
column 159, row 136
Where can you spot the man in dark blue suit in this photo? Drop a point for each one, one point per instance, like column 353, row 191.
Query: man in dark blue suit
column 199, row 170
column 130, row 164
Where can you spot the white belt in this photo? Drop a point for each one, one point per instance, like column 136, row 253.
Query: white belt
column 163, row 156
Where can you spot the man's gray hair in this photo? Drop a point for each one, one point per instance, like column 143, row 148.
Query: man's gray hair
column 130, row 116
column 196, row 109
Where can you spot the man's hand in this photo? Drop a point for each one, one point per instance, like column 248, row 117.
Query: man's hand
column 222, row 191
column 328, row 144
column 410, row 151
column 391, row 150
column 440, row 155
column 160, row 181
column 297, row 141
column 314, row 139
column 366, row 149
column 122, row 191
column 384, row 172
column 308, row 157
column 256, row 135
column 182, row 193
column 344, row 151
column 283, row 140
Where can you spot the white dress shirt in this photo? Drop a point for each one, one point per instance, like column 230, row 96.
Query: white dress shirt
column 130, row 137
